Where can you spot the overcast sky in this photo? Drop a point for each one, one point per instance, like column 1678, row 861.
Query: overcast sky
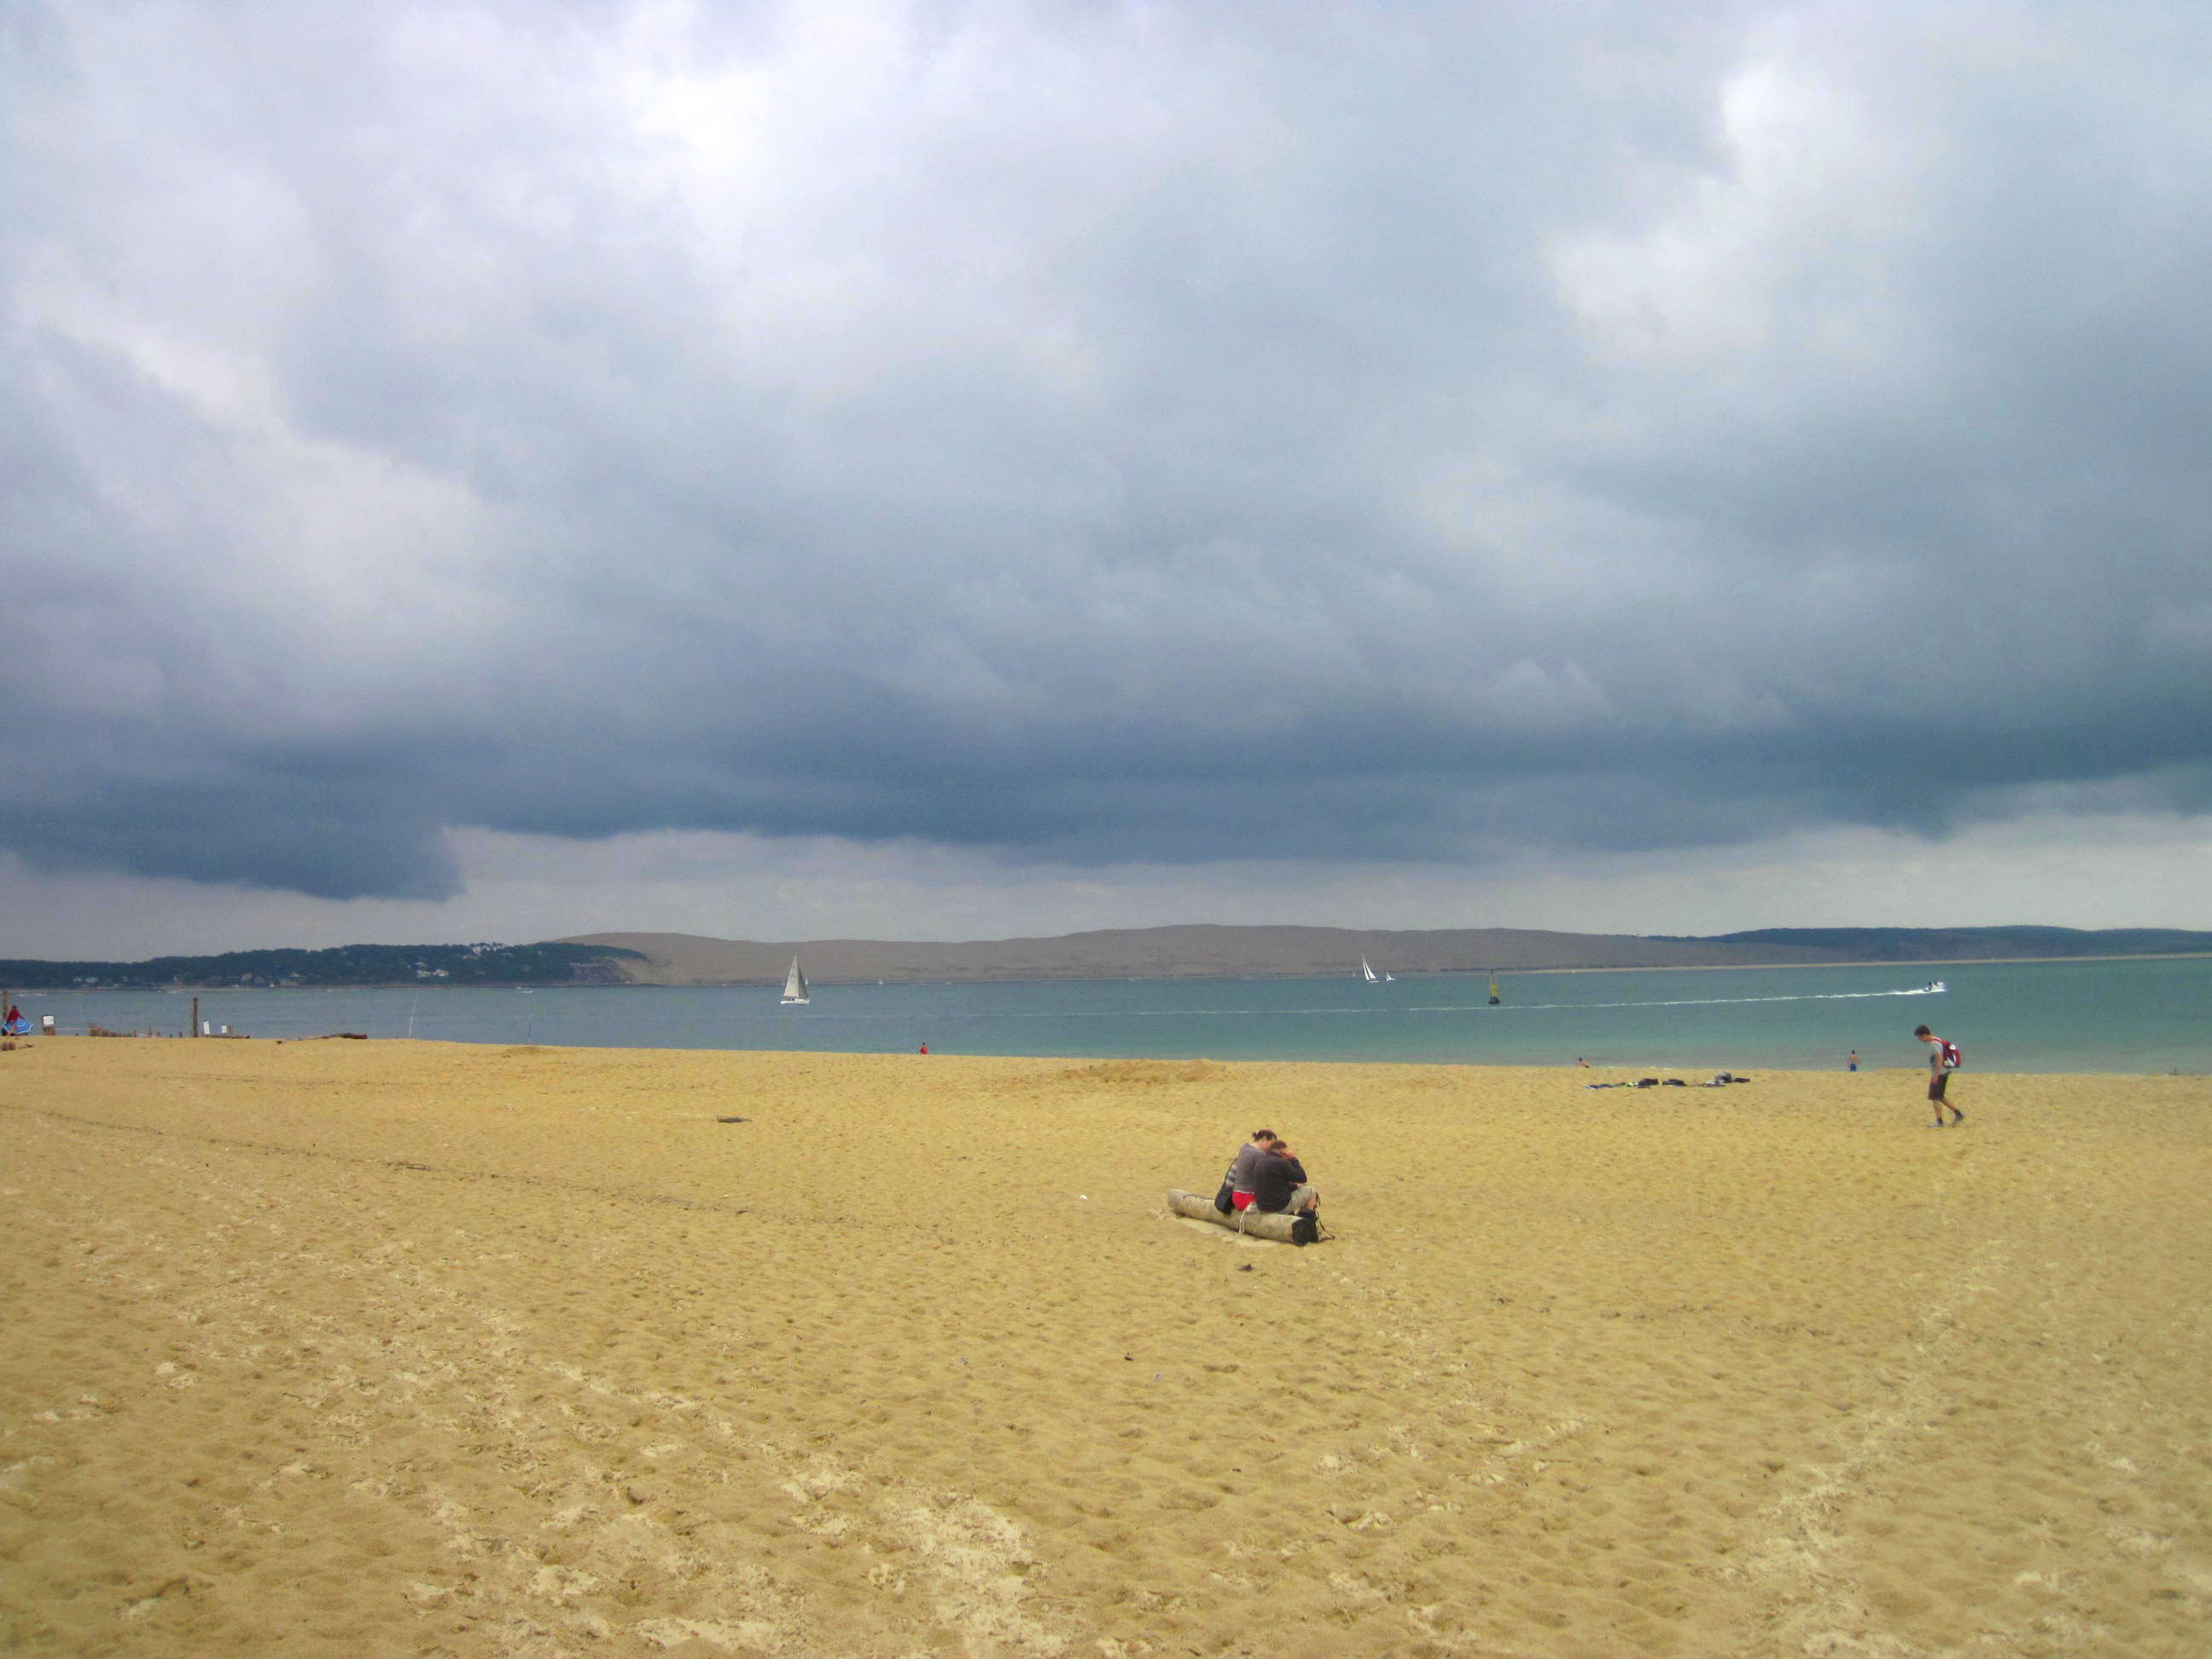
column 506, row 469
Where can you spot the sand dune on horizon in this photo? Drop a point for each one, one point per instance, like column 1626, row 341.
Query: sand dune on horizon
column 381, row 1348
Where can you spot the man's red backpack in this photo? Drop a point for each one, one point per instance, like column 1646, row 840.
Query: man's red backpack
column 1951, row 1061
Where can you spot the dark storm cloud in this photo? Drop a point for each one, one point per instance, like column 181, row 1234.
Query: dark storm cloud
column 1091, row 433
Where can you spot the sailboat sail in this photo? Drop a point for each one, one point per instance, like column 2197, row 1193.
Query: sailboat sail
column 794, row 984
column 1366, row 972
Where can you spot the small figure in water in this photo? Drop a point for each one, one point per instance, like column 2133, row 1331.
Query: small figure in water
column 1852, row 1065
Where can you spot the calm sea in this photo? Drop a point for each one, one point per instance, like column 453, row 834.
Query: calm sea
column 2134, row 1016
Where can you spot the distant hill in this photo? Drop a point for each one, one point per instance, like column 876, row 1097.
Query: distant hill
column 1190, row 951
column 1206, row 951
column 1977, row 944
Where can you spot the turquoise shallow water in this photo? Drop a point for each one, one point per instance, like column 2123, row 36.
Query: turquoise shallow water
column 2134, row 1016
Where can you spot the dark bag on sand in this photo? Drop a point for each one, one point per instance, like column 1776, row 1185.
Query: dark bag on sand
column 1306, row 1230
column 1225, row 1201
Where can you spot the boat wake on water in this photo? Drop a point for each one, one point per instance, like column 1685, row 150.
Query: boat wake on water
column 1688, row 1002
column 1369, row 1010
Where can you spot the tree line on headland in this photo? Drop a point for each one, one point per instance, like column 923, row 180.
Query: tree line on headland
column 1177, row 952
column 347, row 964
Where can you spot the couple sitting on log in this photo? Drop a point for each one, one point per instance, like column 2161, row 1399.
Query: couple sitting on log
column 1268, row 1177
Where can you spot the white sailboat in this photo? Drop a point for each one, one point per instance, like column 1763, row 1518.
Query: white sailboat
column 794, row 985
column 1367, row 973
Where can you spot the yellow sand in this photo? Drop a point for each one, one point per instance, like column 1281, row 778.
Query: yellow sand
column 340, row 1348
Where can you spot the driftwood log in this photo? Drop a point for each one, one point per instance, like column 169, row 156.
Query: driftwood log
column 1255, row 1223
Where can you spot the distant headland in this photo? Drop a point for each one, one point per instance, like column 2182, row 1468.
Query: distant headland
column 1204, row 951
column 1191, row 951
column 551, row 964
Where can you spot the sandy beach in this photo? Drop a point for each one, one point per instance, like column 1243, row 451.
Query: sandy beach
column 343, row 1348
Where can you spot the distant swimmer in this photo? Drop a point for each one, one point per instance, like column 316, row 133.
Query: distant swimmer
column 1942, row 1060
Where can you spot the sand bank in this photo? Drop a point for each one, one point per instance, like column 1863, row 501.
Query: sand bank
column 347, row 1349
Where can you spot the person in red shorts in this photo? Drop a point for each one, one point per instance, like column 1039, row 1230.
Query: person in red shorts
column 1244, row 1173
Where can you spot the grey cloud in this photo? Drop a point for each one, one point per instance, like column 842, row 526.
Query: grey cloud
column 271, row 830
column 1095, row 434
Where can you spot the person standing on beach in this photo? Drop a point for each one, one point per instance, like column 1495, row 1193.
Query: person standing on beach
column 1852, row 1064
column 1942, row 1059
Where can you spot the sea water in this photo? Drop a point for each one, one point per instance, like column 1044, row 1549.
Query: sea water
column 2141, row 1015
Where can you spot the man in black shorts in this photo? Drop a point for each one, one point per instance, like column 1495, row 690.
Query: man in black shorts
column 1942, row 1057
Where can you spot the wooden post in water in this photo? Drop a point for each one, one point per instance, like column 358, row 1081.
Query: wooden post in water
column 196, row 1018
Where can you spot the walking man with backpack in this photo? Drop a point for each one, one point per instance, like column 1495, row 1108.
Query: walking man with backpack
column 1942, row 1060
